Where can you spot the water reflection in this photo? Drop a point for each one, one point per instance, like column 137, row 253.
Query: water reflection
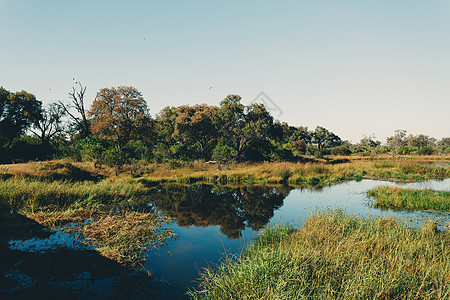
column 233, row 209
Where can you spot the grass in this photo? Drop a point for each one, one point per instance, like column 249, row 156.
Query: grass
column 336, row 256
column 27, row 193
column 299, row 174
column 399, row 198
column 53, row 194
column 321, row 172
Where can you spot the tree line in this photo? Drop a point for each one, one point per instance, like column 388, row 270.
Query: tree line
column 118, row 128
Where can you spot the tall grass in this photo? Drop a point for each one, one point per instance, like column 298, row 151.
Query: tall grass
column 33, row 193
column 336, row 256
column 301, row 174
column 399, row 198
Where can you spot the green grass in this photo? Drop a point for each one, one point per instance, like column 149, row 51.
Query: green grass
column 28, row 193
column 336, row 256
column 399, row 198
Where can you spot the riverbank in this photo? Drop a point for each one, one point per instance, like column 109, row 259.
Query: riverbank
column 311, row 173
column 336, row 256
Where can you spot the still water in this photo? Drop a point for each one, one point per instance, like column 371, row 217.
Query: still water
column 210, row 222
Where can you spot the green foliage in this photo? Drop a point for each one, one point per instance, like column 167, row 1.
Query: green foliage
column 405, row 150
column 92, row 148
column 325, row 139
column 161, row 153
column 224, row 154
column 23, row 149
column 340, row 150
column 425, row 151
column 18, row 111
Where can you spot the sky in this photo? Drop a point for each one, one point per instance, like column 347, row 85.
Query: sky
column 358, row 68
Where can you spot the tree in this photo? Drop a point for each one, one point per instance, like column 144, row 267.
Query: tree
column 420, row 141
column 195, row 124
column 398, row 139
column 325, row 139
column 239, row 125
column 165, row 125
column 120, row 114
column 77, row 97
column 18, row 111
column 445, row 141
column 369, row 141
column 49, row 124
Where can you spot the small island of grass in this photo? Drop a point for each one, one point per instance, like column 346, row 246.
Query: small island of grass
column 400, row 198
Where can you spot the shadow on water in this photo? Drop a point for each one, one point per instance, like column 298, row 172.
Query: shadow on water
column 60, row 272
column 233, row 209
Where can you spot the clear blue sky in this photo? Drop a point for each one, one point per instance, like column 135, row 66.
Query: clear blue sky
column 354, row 67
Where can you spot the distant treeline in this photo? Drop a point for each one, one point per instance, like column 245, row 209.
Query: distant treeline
column 119, row 129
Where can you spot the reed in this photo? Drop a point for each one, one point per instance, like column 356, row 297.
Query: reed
column 336, row 256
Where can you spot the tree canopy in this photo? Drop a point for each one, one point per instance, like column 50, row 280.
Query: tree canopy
column 18, row 111
column 118, row 129
column 120, row 114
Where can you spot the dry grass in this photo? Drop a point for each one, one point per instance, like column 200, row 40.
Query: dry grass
column 122, row 236
column 125, row 237
column 321, row 172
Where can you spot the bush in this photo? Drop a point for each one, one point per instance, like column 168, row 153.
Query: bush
column 425, row 151
column 340, row 150
column 405, row 150
column 224, row 154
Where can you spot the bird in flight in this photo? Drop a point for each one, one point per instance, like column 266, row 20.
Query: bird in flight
column 210, row 87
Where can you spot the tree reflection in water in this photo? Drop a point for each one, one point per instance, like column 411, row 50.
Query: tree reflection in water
column 232, row 209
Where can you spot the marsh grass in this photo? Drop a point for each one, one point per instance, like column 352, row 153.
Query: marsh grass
column 27, row 193
column 303, row 173
column 399, row 198
column 336, row 256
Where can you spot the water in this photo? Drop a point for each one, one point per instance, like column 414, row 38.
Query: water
column 210, row 222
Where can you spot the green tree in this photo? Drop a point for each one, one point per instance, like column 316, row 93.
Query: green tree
column 325, row 139
column 18, row 111
column 239, row 125
column 398, row 139
column 195, row 125
column 120, row 114
column 165, row 122
column 369, row 141
column 420, row 141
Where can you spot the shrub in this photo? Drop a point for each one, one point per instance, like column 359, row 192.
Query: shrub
column 340, row 150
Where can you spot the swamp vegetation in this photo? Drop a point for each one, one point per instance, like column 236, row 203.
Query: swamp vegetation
column 336, row 256
column 110, row 213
